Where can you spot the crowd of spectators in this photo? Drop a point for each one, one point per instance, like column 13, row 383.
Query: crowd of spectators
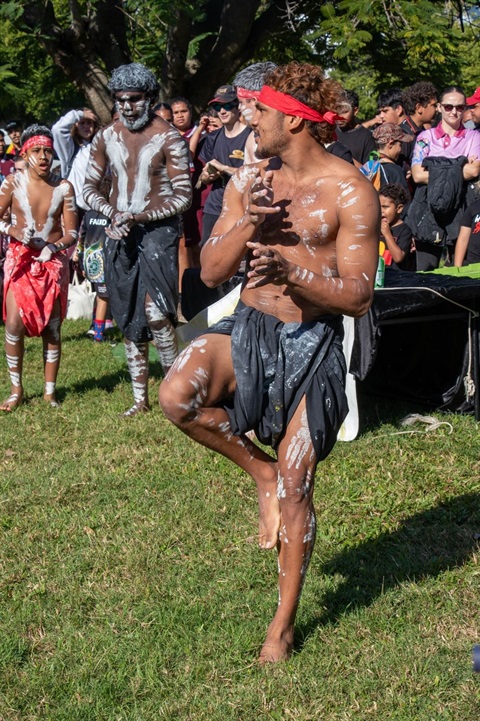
column 420, row 141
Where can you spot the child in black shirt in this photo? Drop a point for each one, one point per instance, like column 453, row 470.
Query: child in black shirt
column 395, row 233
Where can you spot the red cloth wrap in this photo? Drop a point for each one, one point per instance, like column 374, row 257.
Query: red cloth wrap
column 244, row 94
column 290, row 106
column 35, row 286
column 35, row 141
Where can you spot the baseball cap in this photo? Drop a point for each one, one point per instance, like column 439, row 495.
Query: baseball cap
column 389, row 131
column 13, row 125
column 475, row 98
column 224, row 94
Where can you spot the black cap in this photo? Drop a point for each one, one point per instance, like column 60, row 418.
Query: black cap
column 224, row 94
column 13, row 125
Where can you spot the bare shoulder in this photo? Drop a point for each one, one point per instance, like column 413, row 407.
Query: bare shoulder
column 348, row 185
column 8, row 183
column 64, row 186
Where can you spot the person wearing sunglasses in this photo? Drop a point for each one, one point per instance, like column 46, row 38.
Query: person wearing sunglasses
column 222, row 153
column 452, row 153
column 473, row 103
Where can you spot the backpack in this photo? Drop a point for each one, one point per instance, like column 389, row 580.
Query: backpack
column 374, row 171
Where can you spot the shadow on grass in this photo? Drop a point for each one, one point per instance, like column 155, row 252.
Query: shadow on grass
column 426, row 545
column 107, row 382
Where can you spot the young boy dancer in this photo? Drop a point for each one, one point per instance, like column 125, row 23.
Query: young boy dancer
column 43, row 223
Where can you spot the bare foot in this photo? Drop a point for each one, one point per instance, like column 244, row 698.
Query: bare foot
column 268, row 511
column 51, row 400
column 135, row 410
column 278, row 648
column 12, row 402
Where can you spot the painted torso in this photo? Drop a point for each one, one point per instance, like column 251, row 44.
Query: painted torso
column 305, row 233
column 149, row 168
column 39, row 204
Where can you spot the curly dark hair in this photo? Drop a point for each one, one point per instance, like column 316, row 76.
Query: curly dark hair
column 308, row 84
column 419, row 93
column 395, row 192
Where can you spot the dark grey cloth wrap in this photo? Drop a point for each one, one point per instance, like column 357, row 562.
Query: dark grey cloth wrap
column 275, row 365
column 146, row 261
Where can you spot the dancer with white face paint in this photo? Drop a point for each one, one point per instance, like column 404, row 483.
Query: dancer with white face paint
column 248, row 83
column 151, row 186
column 43, row 224
column 276, row 366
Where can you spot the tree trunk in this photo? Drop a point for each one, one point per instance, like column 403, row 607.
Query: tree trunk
column 78, row 48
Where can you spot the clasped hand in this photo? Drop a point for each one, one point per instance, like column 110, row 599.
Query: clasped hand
column 121, row 226
column 266, row 266
column 45, row 255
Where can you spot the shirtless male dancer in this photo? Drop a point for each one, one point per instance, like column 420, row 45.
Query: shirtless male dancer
column 309, row 223
column 150, row 186
column 43, row 222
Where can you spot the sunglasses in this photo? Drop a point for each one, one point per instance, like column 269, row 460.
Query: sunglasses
column 226, row 106
column 449, row 107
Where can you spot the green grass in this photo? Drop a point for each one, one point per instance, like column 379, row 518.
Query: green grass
column 131, row 586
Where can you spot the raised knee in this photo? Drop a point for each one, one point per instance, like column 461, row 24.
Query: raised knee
column 176, row 401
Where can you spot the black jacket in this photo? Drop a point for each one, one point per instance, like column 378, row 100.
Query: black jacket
column 436, row 209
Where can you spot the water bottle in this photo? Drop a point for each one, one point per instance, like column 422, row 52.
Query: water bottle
column 380, row 276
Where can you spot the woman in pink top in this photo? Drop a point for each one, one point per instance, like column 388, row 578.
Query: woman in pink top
column 449, row 139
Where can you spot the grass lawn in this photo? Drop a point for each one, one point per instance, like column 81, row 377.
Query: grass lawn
column 131, row 586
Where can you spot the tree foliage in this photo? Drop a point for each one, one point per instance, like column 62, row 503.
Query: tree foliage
column 56, row 54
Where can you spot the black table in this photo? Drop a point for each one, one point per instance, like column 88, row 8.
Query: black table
column 420, row 340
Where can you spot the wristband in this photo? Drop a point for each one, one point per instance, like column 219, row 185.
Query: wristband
column 52, row 248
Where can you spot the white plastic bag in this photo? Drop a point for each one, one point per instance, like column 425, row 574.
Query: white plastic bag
column 81, row 298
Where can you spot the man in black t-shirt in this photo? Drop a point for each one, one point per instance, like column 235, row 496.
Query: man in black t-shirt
column 354, row 136
column 222, row 153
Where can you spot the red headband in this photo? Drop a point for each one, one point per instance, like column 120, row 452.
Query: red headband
column 290, row 106
column 36, row 140
column 244, row 94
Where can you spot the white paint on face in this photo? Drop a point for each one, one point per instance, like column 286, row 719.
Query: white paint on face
column 366, row 276
column 354, row 247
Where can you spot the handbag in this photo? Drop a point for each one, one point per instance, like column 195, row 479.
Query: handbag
column 81, row 298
